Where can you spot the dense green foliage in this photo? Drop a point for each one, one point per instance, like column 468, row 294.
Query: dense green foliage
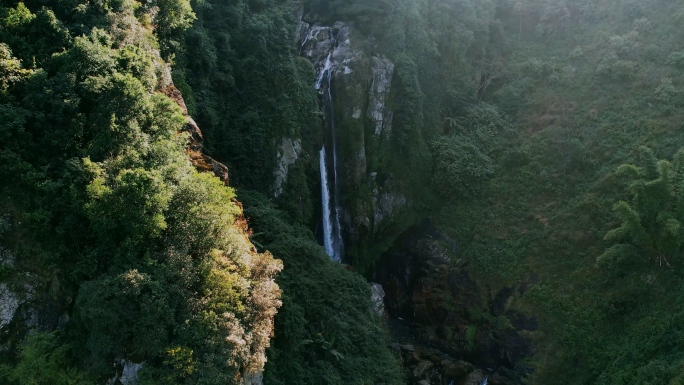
column 585, row 84
column 511, row 118
column 104, row 205
column 651, row 226
column 246, row 86
column 325, row 332
column 148, row 257
column 463, row 157
column 517, row 116
column 43, row 359
column 518, row 128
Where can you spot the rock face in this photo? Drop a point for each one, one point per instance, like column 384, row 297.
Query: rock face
column 385, row 204
column 288, row 153
column 9, row 303
column 201, row 161
column 377, row 300
column 26, row 305
column 256, row 378
column 383, row 69
column 360, row 88
column 436, row 306
column 319, row 41
column 23, row 304
column 127, row 373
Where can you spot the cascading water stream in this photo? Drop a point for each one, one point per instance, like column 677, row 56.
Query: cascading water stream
column 337, row 229
column 325, row 71
column 332, row 233
column 325, row 198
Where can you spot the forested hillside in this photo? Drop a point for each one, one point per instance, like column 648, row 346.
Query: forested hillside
column 509, row 172
column 115, row 249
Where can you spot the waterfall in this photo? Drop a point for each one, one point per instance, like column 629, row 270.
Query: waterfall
column 337, row 229
column 332, row 231
column 326, row 70
column 325, row 198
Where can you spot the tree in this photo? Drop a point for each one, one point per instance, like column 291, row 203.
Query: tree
column 44, row 360
column 460, row 166
column 666, row 93
column 554, row 18
column 652, row 223
column 490, row 70
column 173, row 17
column 10, row 68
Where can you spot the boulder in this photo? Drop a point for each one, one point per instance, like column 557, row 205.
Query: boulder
column 254, row 378
column 129, row 373
column 422, row 369
column 456, row 369
column 288, row 153
column 474, row 378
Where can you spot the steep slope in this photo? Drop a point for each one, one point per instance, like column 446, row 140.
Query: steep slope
column 115, row 248
column 257, row 96
column 510, row 121
column 378, row 164
column 586, row 84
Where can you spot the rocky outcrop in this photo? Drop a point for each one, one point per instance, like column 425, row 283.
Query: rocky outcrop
column 320, row 42
column 127, row 373
column 377, row 300
column 9, row 303
column 130, row 373
column 255, row 378
column 201, row 161
column 474, row 378
column 28, row 301
column 317, row 42
column 288, row 153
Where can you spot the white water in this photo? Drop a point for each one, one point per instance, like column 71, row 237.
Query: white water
column 337, row 229
column 324, row 71
column 325, row 197
column 332, row 232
